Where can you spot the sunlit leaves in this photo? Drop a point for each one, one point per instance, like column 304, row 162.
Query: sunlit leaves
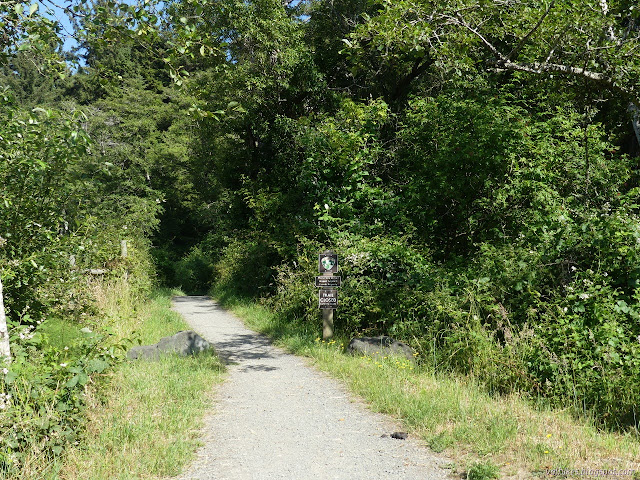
column 39, row 152
column 544, row 37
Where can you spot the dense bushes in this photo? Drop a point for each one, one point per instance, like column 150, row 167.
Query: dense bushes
column 485, row 216
column 579, row 348
column 512, row 256
column 56, row 357
column 194, row 272
column 246, row 268
column 61, row 225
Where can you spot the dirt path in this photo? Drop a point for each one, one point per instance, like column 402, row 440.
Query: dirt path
column 277, row 418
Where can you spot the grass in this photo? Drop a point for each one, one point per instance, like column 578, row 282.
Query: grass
column 143, row 422
column 484, row 436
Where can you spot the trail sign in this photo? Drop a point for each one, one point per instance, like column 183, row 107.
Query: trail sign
column 328, row 298
column 328, row 281
column 328, row 262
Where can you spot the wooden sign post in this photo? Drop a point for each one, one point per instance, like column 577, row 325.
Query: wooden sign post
column 327, row 296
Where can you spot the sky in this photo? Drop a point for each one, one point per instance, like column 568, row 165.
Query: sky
column 54, row 10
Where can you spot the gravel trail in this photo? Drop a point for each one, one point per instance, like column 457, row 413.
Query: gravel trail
column 277, row 418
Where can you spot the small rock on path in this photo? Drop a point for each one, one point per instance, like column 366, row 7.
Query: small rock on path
column 277, row 418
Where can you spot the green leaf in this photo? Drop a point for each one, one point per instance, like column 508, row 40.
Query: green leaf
column 97, row 366
column 10, row 377
column 73, row 381
column 81, row 379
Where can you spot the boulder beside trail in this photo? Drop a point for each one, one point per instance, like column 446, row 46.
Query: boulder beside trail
column 183, row 343
column 380, row 346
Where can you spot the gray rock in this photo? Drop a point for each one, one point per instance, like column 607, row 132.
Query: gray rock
column 380, row 346
column 183, row 343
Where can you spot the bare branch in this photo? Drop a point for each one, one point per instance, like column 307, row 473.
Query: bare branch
column 605, row 10
column 505, row 62
column 636, row 120
column 514, row 53
column 461, row 22
column 540, row 68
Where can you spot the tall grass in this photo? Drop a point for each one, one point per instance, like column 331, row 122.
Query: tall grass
column 143, row 422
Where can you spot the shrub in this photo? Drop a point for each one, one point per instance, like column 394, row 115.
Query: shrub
column 483, row 471
column 194, row 273
column 246, row 267
column 42, row 393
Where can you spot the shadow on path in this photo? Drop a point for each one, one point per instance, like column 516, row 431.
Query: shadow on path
column 243, row 349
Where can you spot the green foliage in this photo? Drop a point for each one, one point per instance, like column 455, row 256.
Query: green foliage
column 29, row 81
column 42, row 392
column 194, row 273
column 486, row 220
column 73, row 185
column 439, row 443
column 343, row 168
column 465, row 161
column 483, row 471
column 57, row 219
column 540, row 38
column 40, row 152
column 513, row 270
column 246, row 268
column 23, row 29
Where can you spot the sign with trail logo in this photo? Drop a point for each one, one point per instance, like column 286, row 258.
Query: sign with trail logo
column 328, row 298
column 329, row 281
column 328, row 262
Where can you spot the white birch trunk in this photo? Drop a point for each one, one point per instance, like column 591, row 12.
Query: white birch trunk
column 5, row 351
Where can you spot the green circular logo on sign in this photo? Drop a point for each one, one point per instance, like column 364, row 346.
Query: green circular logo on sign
column 328, row 262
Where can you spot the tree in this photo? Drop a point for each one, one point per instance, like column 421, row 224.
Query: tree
column 40, row 196
column 27, row 75
column 595, row 43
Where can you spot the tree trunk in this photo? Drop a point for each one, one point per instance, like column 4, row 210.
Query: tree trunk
column 5, row 351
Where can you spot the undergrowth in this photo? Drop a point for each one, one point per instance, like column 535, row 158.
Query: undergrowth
column 73, row 408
